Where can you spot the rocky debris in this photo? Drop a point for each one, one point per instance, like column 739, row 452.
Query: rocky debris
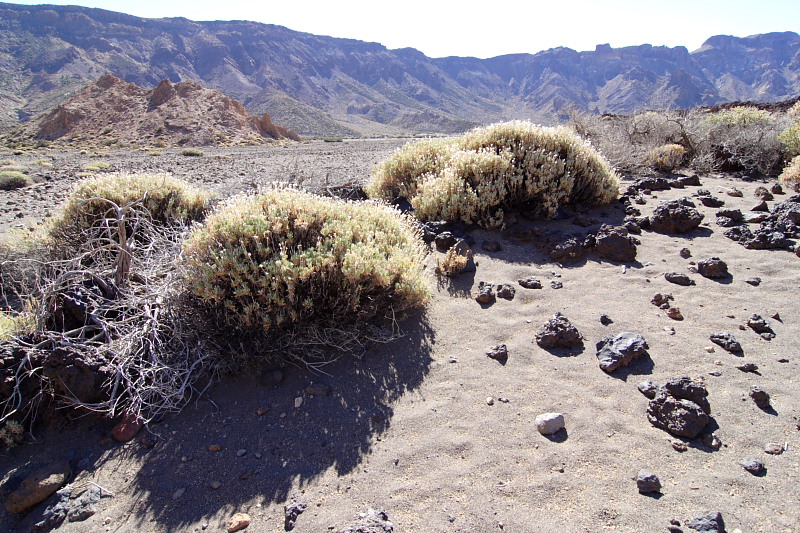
column 760, row 207
column 713, row 268
column 556, row 284
column 678, row 278
column 647, row 482
column 748, row 367
column 679, row 446
column 709, row 523
column 651, row 183
column 674, row 313
column 127, row 428
column 605, row 320
column 178, row 494
column 760, row 397
column 291, row 511
column 506, row 291
column 754, row 466
column 773, row 448
column 675, row 216
column 39, row 486
column 49, row 515
column 615, row 244
column 735, row 215
column 530, row 283
column 370, row 522
column 763, row 193
column 759, row 324
column 727, row 341
column 549, row 423
column 648, row 388
column 238, row 522
column 754, row 281
column 558, row 332
column 485, row 293
column 680, row 406
column 711, row 201
column 491, row 246
column 662, row 300
column 570, row 250
column 615, row 351
column 735, row 193
column 775, row 228
column 498, row 353
column 685, row 253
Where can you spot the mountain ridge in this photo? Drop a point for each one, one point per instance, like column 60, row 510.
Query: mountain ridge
column 318, row 85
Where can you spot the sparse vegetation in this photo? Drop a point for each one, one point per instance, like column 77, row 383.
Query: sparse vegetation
column 790, row 176
column 745, row 137
column 667, row 157
column 452, row 264
column 191, row 152
column 99, row 165
column 286, row 259
column 13, row 179
column 477, row 177
column 790, row 137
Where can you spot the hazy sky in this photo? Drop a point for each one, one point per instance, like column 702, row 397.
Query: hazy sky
column 490, row 27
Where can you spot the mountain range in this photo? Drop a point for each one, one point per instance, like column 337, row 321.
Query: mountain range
column 318, row 85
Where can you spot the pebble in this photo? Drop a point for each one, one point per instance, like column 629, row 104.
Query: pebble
column 679, row 446
column 214, row 448
column 773, row 448
column 489, row 400
column 178, row 494
column 647, row 482
column 215, row 485
column 549, row 423
column 298, row 402
column 674, row 313
column 262, row 411
column 556, row 284
column 238, row 522
column 240, row 452
column 754, row 466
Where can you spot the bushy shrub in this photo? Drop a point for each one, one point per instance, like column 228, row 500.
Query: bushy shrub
column 453, row 263
column 288, row 258
column 794, row 111
column 191, row 152
column 790, row 176
column 167, row 200
column 514, row 165
column 13, row 179
column 667, row 157
column 745, row 137
column 790, row 137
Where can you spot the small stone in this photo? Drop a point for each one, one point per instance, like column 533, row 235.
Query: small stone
column 262, row 411
column 127, row 428
column 558, row 332
column 606, row 320
column 530, row 283
column 709, row 523
column 755, row 281
column 760, row 397
column 710, row 349
column 679, row 279
column 776, row 188
column 685, row 253
column 214, row 448
column 238, row 522
column 489, row 400
column 648, row 388
column 556, row 284
column 291, row 511
column 754, row 466
column 647, row 482
column 760, row 207
column 726, row 341
column 178, row 494
column 736, row 193
column 773, row 448
column 713, row 268
column 506, row 292
column 669, row 330
column 615, row 351
column 499, row 353
column 215, row 485
column 759, row 324
column 661, row 300
column 674, row 313
column 257, row 455
column 679, row 446
column 485, row 293
column 241, row 452
column 298, row 402
column 748, row 367
column 549, row 423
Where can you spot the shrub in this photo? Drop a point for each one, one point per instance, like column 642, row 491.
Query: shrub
column 13, row 179
column 790, row 137
column 791, row 174
column 167, row 200
column 667, row 157
column 514, row 165
column 452, row 264
column 99, row 165
column 794, row 111
column 745, row 137
column 191, row 152
column 288, row 258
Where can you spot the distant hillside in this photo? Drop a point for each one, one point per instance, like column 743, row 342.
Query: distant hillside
column 111, row 111
column 327, row 86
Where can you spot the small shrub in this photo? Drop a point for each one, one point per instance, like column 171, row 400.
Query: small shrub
column 790, row 137
column 154, row 153
column 191, row 152
column 452, row 264
column 790, row 176
column 287, row 258
column 11, row 434
column 475, row 178
column 332, row 139
column 160, row 143
column 13, row 179
column 99, row 165
column 667, row 157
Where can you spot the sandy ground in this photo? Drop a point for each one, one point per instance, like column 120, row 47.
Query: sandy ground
column 408, row 428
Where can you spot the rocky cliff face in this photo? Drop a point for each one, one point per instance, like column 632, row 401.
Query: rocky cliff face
column 111, row 111
column 326, row 86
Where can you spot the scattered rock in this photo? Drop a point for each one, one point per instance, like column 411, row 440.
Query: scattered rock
column 39, row 486
column 556, row 284
column 127, row 428
column 615, row 244
column 735, row 215
column 709, row 523
column 550, row 423
column 178, row 494
column 569, row 250
column 647, row 482
column 491, row 246
column 776, row 189
column 727, row 341
column 711, row 201
column 291, row 511
column 679, row 279
column 444, row 241
column 238, row 522
column 713, row 268
column 530, row 283
column 489, row 400
column 215, row 484
column 748, row 367
column 736, row 193
column 759, row 324
column 214, row 448
column 754, row 281
column 241, row 452
column 674, row 313
column 648, row 388
column 506, row 292
column 712, row 441
column 763, row 193
column 679, row 446
column 485, row 293
column 760, row 397
column 605, row 320
column 685, row 253
column 615, row 351
column 680, row 407
column 760, row 207
column 499, row 353
column 370, row 522
column 754, row 466
column 676, row 216
column 662, row 300
column 558, row 332
column 773, row 448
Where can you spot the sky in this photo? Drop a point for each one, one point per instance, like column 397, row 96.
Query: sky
column 489, row 28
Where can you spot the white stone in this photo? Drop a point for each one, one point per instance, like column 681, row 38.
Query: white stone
column 549, row 423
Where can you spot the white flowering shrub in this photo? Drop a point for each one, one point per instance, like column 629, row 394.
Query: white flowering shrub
column 477, row 177
column 289, row 258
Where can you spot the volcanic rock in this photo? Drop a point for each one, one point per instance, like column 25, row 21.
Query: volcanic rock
column 709, row 523
column 680, row 407
column 558, row 332
column 37, row 487
column 727, row 341
column 678, row 278
column 647, row 482
column 713, row 268
column 614, row 243
column 530, row 283
column 615, row 351
column 675, row 216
